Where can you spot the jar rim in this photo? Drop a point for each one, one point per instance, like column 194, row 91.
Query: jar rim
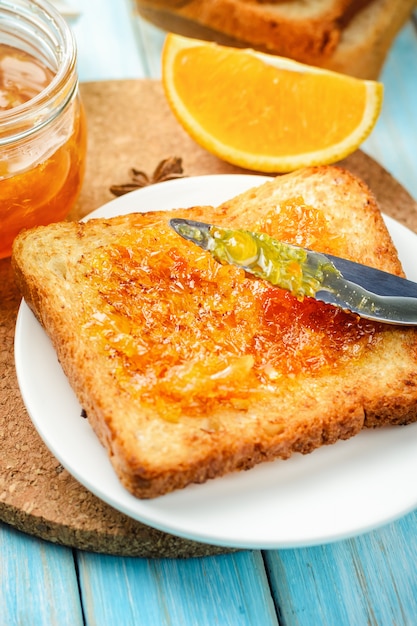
column 49, row 102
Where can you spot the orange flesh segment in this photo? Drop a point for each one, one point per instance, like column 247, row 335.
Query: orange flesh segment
column 278, row 97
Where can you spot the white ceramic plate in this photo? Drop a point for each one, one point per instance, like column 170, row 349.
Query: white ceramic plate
column 335, row 492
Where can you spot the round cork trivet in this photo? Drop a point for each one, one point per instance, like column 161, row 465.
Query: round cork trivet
column 130, row 126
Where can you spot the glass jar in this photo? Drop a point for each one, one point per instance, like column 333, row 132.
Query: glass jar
column 42, row 122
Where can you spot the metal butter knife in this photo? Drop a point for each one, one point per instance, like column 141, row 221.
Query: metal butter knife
column 368, row 292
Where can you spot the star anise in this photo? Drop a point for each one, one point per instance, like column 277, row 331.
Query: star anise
column 167, row 169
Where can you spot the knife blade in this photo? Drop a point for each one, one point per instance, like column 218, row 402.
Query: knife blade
column 370, row 293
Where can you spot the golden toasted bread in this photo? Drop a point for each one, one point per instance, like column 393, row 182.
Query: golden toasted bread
column 349, row 36
column 188, row 369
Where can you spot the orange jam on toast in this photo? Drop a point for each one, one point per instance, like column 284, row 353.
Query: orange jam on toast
column 187, row 333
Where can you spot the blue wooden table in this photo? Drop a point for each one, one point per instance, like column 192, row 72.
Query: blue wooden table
column 371, row 579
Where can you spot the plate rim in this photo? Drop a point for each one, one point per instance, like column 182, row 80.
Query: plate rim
column 227, row 541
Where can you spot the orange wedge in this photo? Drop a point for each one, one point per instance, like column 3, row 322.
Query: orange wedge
column 263, row 112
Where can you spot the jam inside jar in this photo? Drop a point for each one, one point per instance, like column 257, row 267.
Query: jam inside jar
column 42, row 121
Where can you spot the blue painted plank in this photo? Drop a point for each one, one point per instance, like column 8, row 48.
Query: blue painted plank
column 150, row 40
column 38, row 582
column 106, row 41
column 393, row 140
column 368, row 580
column 231, row 590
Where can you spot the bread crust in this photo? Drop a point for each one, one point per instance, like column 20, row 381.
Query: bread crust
column 153, row 454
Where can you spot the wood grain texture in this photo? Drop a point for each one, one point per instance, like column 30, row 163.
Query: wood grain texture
column 228, row 590
column 368, row 580
column 38, row 582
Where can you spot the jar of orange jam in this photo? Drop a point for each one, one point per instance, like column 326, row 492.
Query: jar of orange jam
column 42, row 122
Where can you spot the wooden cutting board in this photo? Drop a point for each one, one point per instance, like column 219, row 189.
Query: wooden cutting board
column 130, row 126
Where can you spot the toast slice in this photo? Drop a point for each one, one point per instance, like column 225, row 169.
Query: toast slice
column 188, row 369
column 348, row 36
column 294, row 27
